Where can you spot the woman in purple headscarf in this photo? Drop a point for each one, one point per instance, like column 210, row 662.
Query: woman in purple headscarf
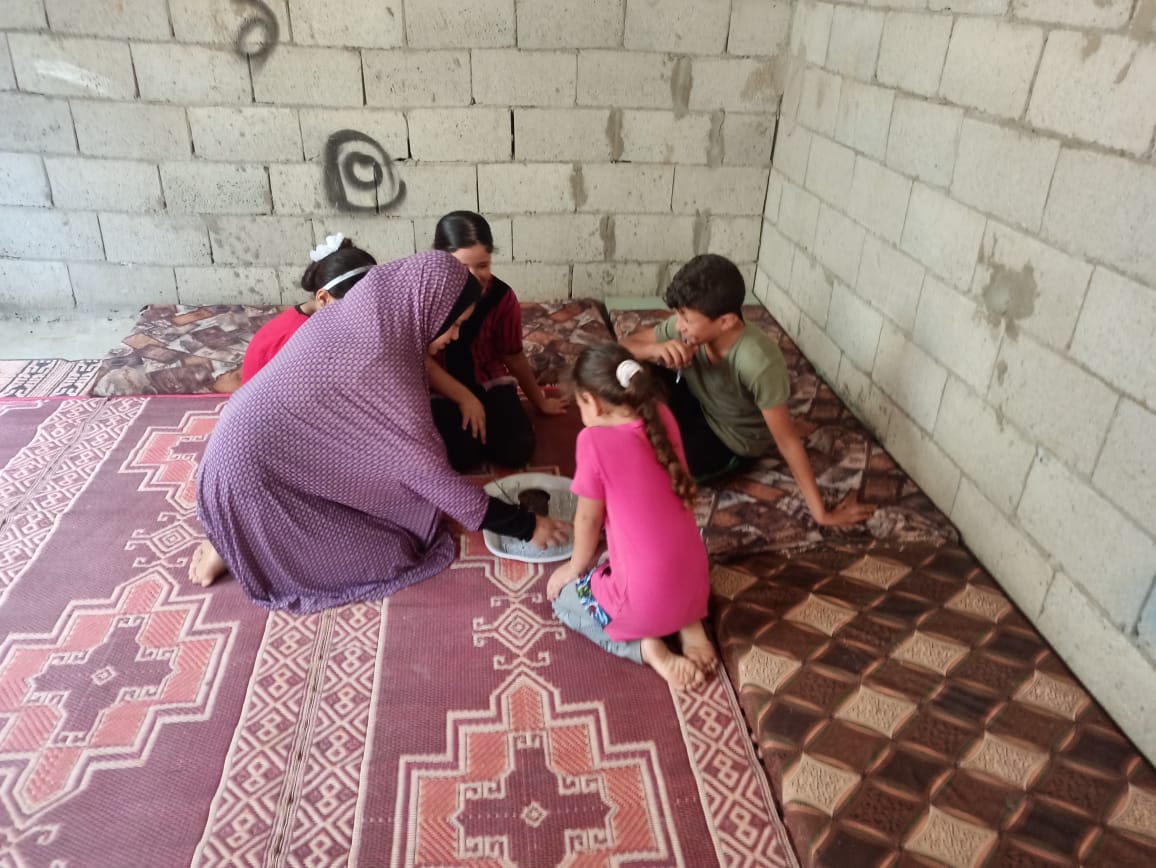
column 325, row 481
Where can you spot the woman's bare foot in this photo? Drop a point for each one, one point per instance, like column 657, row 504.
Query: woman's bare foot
column 676, row 669
column 206, row 566
column 697, row 647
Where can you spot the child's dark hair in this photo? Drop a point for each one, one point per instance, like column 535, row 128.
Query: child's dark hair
column 461, row 229
column 710, row 284
column 345, row 258
column 596, row 372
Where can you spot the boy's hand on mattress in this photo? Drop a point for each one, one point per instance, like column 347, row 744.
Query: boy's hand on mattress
column 559, row 579
column 847, row 512
column 552, row 406
column 473, row 417
column 549, row 532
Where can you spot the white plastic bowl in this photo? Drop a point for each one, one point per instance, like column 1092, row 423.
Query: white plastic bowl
column 563, row 504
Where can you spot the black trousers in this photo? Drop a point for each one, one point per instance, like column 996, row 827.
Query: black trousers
column 706, row 455
column 509, row 432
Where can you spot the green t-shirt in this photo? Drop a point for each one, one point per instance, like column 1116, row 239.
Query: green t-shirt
column 752, row 377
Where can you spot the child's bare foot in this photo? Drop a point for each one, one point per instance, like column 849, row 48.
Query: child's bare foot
column 206, row 566
column 697, row 647
column 676, row 669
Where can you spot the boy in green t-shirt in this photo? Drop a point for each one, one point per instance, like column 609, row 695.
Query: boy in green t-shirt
column 730, row 391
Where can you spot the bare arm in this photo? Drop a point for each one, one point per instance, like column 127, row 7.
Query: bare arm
column 587, row 526
column 791, row 447
column 520, row 367
column 444, row 383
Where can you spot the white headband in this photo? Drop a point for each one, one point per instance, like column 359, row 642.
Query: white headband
column 342, row 277
column 625, row 372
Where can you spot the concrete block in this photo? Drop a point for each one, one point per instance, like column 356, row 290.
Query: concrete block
column 215, row 188
column 362, row 25
column 570, row 23
column 736, row 238
column 854, row 45
column 819, row 106
column 923, row 139
column 1146, row 631
column 259, row 240
column 1024, row 283
column 774, row 197
column 1114, row 335
column 218, row 22
column 509, row 77
column 417, row 78
column 864, row 117
column 259, row 134
column 663, row 137
column 854, row 326
column 682, row 26
column 735, row 84
column 104, row 185
column 819, row 349
column 722, row 190
column 101, row 285
column 442, row 24
column 830, row 171
column 912, row 51
column 969, row 7
column 1004, row 172
column 1107, row 14
column 299, row 189
column 155, row 239
column 72, row 67
column 1096, row 88
column 811, row 286
column 623, row 188
column 620, row 79
column 873, row 408
column 191, row 74
column 811, row 31
column 839, row 244
column 460, row 134
column 538, row 281
column 516, row 188
column 34, row 286
column 799, row 215
column 879, row 198
column 611, row 279
column 34, row 123
column 918, row 454
column 130, row 19
column 559, row 238
column 782, row 308
column 1125, row 473
column 7, row 75
column 1057, row 403
column 943, row 234
column 990, row 65
column 1105, row 207
column 224, row 285
column 22, row 15
column 432, row 189
column 988, row 450
column 386, row 128
column 747, row 139
column 23, row 180
column 387, row 238
column 149, row 132
column 890, row 281
column 792, row 152
column 563, row 135
column 759, row 27
column 1115, row 671
column 910, row 377
column 1092, row 541
column 1021, row 569
column 776, row 256
column 651, row 238
column 948, row 326
column 309, row 76
column 40, row 233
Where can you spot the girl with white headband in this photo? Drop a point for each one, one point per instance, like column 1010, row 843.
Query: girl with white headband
column 632, row 478
column 336, row 267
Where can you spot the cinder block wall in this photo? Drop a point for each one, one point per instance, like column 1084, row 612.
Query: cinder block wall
column 960, row 231
column 151, row 151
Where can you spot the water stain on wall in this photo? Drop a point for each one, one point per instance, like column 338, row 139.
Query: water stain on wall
column 577, row 186
column 681, row 82
column 614, row 135
column 1009, row 294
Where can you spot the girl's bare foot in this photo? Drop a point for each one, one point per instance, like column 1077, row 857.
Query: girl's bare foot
column 206, row 566
column 676, row 669
column 697, row 647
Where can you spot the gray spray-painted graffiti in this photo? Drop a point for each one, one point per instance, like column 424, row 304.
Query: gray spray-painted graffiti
column 263, row 25
column 359, row 174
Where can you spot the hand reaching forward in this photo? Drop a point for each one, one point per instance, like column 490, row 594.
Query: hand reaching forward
column 847, row 512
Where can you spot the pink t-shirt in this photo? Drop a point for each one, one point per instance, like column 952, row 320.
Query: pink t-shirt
column 657, row 580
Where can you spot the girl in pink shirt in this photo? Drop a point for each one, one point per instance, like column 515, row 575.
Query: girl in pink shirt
column 631, row 476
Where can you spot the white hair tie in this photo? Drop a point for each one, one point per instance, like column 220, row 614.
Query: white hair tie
column 331, row 244
column 342, row 277
column 625, row 372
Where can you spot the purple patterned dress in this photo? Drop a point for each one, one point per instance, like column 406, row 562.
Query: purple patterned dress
column 325, row 480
